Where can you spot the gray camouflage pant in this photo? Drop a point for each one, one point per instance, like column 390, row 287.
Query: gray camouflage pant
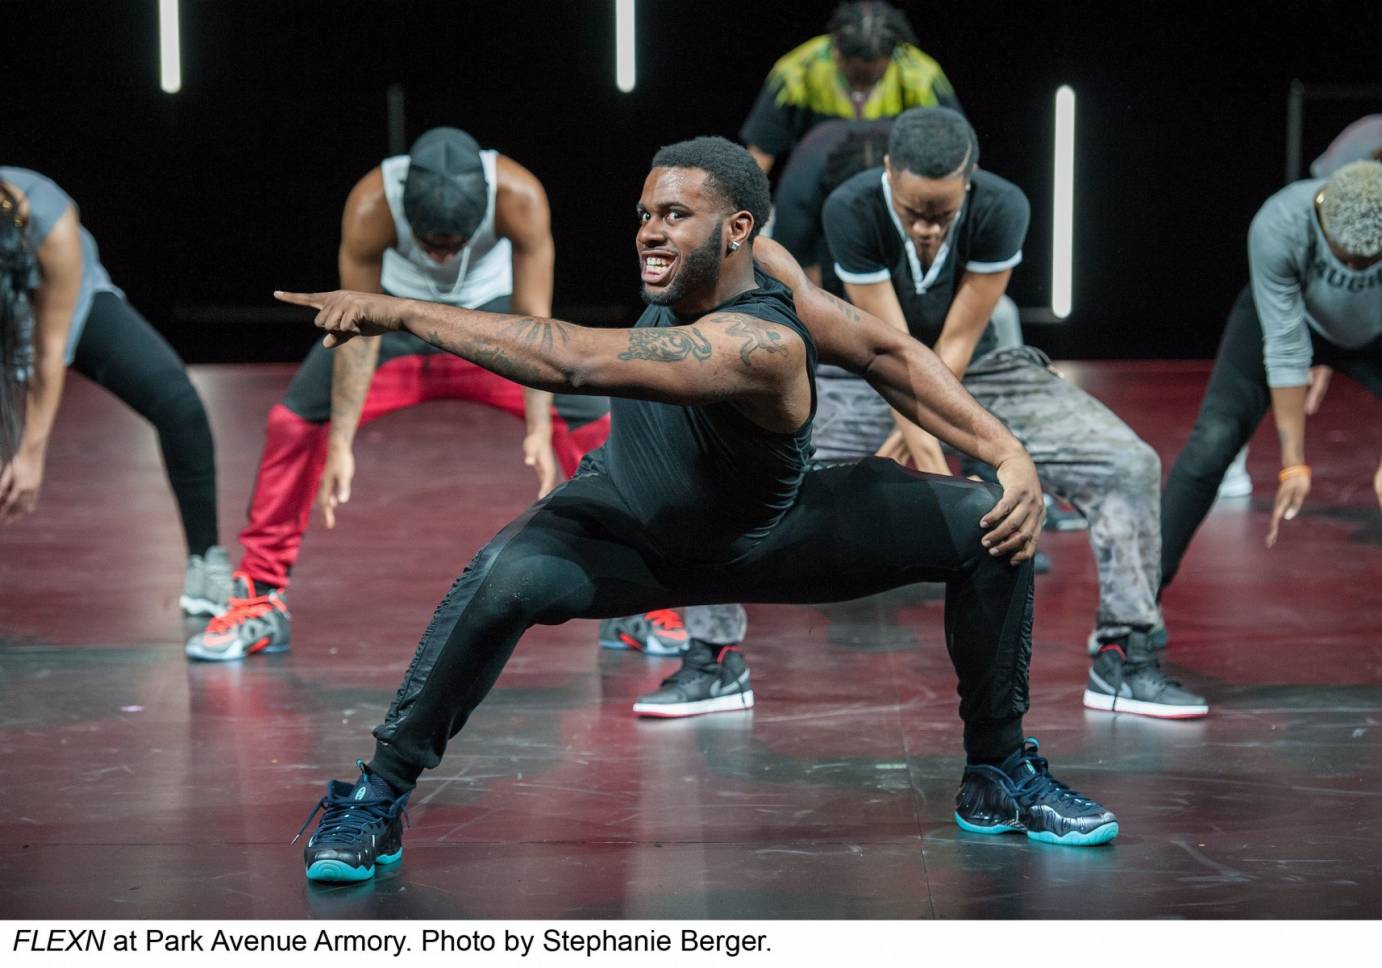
column 850, row 436
column 1082, row 451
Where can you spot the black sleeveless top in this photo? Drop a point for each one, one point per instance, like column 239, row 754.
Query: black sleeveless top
column 706, row 481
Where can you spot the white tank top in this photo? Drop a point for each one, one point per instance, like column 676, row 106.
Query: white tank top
column 482, row 271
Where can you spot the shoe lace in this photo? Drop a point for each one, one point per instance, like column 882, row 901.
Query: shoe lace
column 240, row 609
column 346, row 819
column 1041, row 787
column 665, row 618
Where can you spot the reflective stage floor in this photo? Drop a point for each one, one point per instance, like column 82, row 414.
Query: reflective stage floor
column 138, row 785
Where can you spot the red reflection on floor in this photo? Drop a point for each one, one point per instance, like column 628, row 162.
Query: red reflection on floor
column 138, row 785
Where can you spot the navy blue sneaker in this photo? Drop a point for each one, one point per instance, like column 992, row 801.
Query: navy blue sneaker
column 362, row 826
column 1022, row 796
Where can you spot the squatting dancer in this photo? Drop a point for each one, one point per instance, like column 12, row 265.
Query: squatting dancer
column 713, row 401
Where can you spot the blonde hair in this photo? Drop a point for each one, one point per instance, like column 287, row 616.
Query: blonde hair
column 1351, row 207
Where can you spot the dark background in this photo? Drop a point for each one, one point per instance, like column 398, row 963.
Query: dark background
column 205, row 201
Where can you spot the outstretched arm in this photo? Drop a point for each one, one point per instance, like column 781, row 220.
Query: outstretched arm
column 921, row 388
column 730, row 357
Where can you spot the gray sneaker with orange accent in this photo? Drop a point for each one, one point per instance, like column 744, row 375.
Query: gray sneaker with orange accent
column 252, row 625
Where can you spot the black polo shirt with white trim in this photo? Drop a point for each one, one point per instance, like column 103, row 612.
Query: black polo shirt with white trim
column 869, row 245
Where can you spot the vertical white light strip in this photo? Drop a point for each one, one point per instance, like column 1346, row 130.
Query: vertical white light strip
column 623, row 45
column 1063, row 234
column 169, row 45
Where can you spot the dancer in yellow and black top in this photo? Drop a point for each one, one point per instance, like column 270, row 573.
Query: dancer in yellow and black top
column 868, row 66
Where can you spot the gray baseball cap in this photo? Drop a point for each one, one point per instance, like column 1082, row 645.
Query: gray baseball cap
column 445, row 192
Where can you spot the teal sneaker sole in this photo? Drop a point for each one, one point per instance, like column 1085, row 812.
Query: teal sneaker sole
column 334, row 870
column 1074, row 838
column 964, row 824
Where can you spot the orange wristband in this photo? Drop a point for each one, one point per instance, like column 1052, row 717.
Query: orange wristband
column 1295, row 470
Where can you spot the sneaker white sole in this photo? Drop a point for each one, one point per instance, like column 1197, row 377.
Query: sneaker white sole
column 717, row 704
column 231, row 655
column 201, row 606
column 1116, row 704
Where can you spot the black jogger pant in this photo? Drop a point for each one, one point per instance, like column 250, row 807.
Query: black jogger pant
column 122, row 352
column 855, row 529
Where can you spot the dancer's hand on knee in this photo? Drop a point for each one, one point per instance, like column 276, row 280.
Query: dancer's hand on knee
column 345, row 314
column 1014, row 523
column 1290, row 495
column 334, row 489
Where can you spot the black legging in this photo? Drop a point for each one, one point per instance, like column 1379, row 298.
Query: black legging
column 1234, row 404
column 855, row 529
column 123, row 353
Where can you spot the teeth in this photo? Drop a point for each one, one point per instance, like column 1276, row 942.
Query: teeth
column 656, row 262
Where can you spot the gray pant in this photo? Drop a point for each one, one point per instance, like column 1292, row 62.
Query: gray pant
column 1083, row 454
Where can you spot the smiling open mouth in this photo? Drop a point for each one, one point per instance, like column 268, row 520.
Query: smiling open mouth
column 657, row 269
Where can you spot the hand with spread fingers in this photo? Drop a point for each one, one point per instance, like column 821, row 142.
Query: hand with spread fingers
column 345, row 314
column 1014, row 523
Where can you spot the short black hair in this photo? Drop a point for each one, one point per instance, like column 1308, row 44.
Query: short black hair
column 731, row 171
column 933, row 143
column 859, row 151
column 869, row 30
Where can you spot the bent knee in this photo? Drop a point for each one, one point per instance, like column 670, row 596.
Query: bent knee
column 544, row 588
column 1142, row 468
column 177, row 405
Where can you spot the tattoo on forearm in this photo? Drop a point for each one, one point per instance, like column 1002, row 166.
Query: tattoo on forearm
column 539, row 334
column 847, row 309
column 485, row 351
column 756, row 336
column 667, row 345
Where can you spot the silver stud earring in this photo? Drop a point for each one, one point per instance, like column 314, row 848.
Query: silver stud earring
column 733, row 246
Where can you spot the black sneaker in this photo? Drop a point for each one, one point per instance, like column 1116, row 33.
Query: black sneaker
column 1126, row 677
column 1022, row 796
column 362, row 826
column 712, row 679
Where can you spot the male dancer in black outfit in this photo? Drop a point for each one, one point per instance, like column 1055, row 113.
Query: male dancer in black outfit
column 713, row 400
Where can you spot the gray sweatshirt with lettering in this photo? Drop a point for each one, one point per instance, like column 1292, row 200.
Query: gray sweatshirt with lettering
column 1299, row 285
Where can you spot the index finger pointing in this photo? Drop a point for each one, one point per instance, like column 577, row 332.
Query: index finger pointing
column 316, row 300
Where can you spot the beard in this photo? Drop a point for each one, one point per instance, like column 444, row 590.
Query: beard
column 699, row 269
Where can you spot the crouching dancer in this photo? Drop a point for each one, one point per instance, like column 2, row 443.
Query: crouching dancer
column 714, row 397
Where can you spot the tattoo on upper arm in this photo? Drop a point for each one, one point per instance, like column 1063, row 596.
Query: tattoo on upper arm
column 667, row 345
column 756, row 335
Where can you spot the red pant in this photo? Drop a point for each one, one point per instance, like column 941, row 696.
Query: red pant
column 295, row 450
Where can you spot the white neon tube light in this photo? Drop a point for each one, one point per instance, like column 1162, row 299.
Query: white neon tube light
column 624, row 73
column 1063, row 232
column 169, row 46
